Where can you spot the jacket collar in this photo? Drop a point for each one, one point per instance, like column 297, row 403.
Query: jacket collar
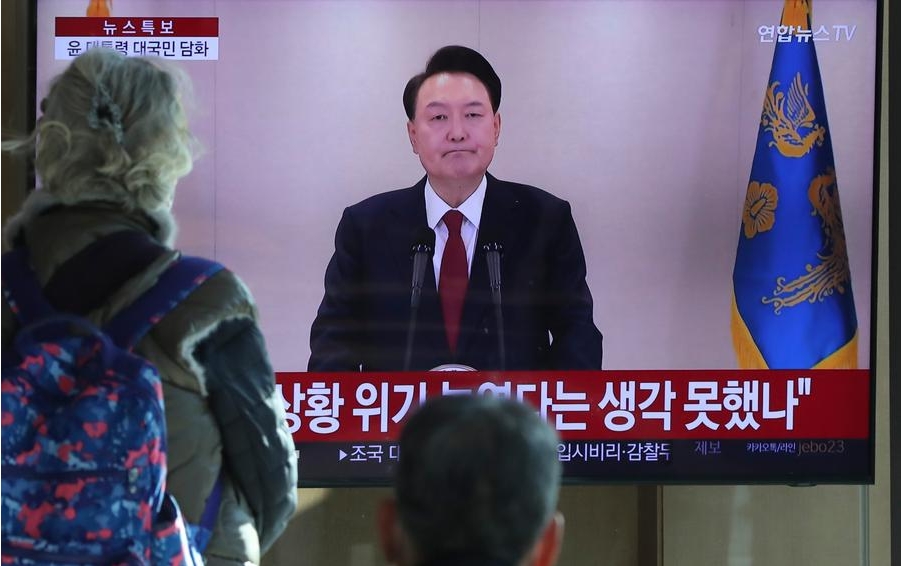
column 160, row 223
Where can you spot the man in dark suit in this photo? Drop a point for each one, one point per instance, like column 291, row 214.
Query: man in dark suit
column 545, row 319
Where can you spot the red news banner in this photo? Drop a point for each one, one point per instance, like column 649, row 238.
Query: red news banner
column 594, row 405
column 139, row 26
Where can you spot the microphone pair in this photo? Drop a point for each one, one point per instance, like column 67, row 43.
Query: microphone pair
column 421, row 251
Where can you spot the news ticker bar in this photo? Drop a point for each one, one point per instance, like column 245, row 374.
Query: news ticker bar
column 663, row 461
column 595, row 405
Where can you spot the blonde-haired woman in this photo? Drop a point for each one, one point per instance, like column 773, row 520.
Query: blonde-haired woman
column 109, row 148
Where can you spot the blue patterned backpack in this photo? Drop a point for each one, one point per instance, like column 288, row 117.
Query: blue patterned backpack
column 84, row 433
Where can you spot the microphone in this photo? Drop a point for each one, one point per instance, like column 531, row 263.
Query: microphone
column 493, row 252
column 421, row 251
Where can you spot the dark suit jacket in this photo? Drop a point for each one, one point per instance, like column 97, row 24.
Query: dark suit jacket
column 364, row 316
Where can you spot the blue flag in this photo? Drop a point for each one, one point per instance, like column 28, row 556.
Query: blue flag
column 792, row 302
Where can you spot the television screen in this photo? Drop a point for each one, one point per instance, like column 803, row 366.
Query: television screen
column 691, row 141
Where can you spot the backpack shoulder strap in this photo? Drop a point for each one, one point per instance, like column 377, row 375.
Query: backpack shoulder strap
column 127, row 328
column 178, row 281
column 21, row 288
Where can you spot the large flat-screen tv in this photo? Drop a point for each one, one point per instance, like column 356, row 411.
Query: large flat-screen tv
column 672, row 127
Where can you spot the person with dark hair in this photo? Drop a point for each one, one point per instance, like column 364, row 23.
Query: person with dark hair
column 506, row 285
column 109, row 148
column 476, row 484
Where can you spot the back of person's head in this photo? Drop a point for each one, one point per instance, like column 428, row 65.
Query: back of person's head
column 112, row 129
column 455, row 59
column 476, row 483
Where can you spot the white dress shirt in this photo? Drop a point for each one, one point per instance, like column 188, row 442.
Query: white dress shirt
column 471, row 208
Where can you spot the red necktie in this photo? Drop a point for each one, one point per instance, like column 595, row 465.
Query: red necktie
column 454, row 277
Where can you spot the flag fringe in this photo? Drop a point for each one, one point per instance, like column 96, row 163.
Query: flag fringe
column 843, row 358
column 748, row 354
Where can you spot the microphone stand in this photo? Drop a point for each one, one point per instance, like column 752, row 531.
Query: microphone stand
column 493, row 253
column 422, row 252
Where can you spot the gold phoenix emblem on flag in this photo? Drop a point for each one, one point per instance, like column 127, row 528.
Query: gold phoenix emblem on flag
column 832, row 273
column 791, row 120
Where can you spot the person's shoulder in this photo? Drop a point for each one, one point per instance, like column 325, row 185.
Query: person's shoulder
column 227, row 290
column 528, row 195
column 380, row 206
column 221, row 297
column 388, row 199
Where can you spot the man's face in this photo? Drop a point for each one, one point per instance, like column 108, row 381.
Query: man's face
column 454, row 130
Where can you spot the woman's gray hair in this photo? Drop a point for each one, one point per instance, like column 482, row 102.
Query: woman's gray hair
column 113, row 129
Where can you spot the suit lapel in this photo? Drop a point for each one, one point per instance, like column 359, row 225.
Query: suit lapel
column 407, row 216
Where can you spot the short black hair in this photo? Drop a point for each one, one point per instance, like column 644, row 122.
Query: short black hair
column 477, row 479
column 455, row 59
